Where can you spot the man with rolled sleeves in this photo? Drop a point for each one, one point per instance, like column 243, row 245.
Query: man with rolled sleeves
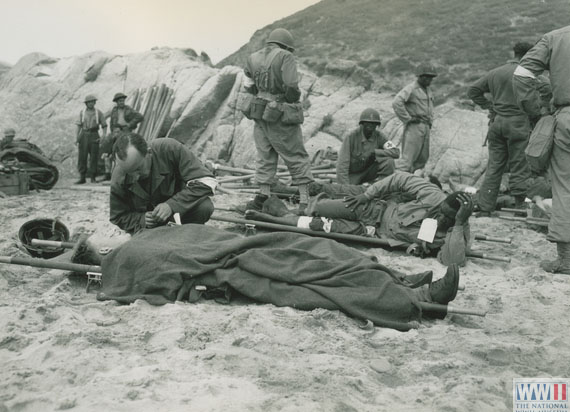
column 271, row 76
column 123, row 119
column 414, row 107
column 508, row 133
column 366, row 154
column 87, row 141
column 552, row 53
column 152, row 182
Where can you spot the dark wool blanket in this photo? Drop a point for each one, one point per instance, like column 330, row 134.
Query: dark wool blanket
column 286, row 269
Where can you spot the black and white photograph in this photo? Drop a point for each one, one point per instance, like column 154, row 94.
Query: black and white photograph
column 302, row 205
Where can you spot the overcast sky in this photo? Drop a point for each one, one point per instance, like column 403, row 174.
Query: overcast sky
column 62, row 28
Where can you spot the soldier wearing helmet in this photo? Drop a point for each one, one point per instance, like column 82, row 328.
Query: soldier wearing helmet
column 366, row 155
column 414, row 107
column 88, row 138
column 123, row 119
column 271, row 76
column 9, row 135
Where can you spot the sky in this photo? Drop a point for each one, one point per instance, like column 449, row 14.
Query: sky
column 61, row 28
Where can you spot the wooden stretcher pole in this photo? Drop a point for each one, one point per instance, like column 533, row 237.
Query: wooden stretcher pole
column 445, row 309
column 53, row 243
column 48, row 264
column 494, row 239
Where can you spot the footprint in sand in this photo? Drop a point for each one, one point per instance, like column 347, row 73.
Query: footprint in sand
column 101, row 316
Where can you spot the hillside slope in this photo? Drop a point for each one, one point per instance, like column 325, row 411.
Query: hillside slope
column 390, row 37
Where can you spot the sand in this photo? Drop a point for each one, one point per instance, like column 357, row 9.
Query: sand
column 61, row 349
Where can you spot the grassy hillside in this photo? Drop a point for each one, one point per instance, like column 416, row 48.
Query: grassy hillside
column 389, row 38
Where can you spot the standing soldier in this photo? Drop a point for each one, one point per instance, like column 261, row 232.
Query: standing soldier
column 87, row 141
column 414, row 107
column 508, row 133
column 123, row 118
column 366, row 154
column 271, row 76
column 552, row 53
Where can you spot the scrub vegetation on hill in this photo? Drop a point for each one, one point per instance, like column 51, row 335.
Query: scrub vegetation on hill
column 390, row 38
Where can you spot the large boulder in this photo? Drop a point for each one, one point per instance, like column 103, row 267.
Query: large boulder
column 41, row 97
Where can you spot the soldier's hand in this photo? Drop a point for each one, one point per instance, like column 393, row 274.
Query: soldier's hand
column 150, row 221
column 465, row 209
column 352, row 202
column 162, row 212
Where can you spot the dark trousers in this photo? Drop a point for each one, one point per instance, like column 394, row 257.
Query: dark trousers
column 88, row 148
column 200, row 213
column 379, row 169
column 508, row 138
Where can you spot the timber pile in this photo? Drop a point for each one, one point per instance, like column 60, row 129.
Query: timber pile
column 154, row 104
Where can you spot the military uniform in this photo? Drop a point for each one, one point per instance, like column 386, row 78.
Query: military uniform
column 507, row 137
column 552, row 53
column 174, row 176
column 388, row 217
column 414, row 107
column 357, row 161
column 88, row 140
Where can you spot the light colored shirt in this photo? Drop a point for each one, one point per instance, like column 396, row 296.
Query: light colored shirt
column 413, row 101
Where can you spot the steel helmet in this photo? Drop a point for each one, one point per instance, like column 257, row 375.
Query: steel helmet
column 119, row 96
column 426, row 70
column 90, row 98
column 369, row 115
column 43, row 229
column 282, row 37
column 9, row 132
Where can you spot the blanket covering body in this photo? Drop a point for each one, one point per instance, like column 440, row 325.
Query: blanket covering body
column 286, row 269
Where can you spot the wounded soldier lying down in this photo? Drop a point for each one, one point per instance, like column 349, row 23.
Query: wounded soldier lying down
column 191, row 261
column 394, row 209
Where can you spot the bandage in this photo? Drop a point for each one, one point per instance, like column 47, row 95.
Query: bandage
column 304, row 222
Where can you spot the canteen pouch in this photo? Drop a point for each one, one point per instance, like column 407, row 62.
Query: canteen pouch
column 272, row 112
column 244, row 103
column 257, row 108
column 539, row 148
column 292, row 113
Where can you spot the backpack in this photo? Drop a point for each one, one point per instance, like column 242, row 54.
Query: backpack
column 262, row 75
column 539, row 148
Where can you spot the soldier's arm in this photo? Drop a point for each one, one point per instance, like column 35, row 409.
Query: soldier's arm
column 136, row 118
column 343, row 162
column 457, row 243
column 121, row 213
column 525, row 83
column 404, row 182
column 290, row 78
column 399, row 104
column 79, row 125
column 476, row 92
column 190, row 168
column 248, row 82
column 102, row 122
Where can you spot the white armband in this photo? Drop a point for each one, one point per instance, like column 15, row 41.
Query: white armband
column 522, row 72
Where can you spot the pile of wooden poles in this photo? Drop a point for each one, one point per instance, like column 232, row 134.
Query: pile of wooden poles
column 154, row 104
column 236, row 179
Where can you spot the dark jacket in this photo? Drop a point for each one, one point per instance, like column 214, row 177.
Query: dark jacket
column 132, row 117
column 172, row 165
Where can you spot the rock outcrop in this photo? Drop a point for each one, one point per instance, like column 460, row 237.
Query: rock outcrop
column 41, row 97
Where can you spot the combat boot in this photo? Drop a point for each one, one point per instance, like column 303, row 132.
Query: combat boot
column 520, row 202
column 257, row 203
column 560, row 265
column 81, row 180
column 107, row 176
column 444, row 290
column 303, row 199
column 315, row 188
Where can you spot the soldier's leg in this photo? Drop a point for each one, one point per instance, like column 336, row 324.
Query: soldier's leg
column 559, row 226
column 266, row 155
column 423, row 155
column 366, row 176
column 335, row 190
column 83, row 151
column 498, row 157
column 93, row 159
column 412, row 145
column 386, row 167
column 200, row 213
column 518, row 133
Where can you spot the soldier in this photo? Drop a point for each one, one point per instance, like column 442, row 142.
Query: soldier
column 87, row 141
column 552, row 53
column 414, row 107
column 123, row 118
column 394, row 209
column 366, row 154
column 508, row 133
column 153, row 182
column 271, row 76
column 9, row 135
